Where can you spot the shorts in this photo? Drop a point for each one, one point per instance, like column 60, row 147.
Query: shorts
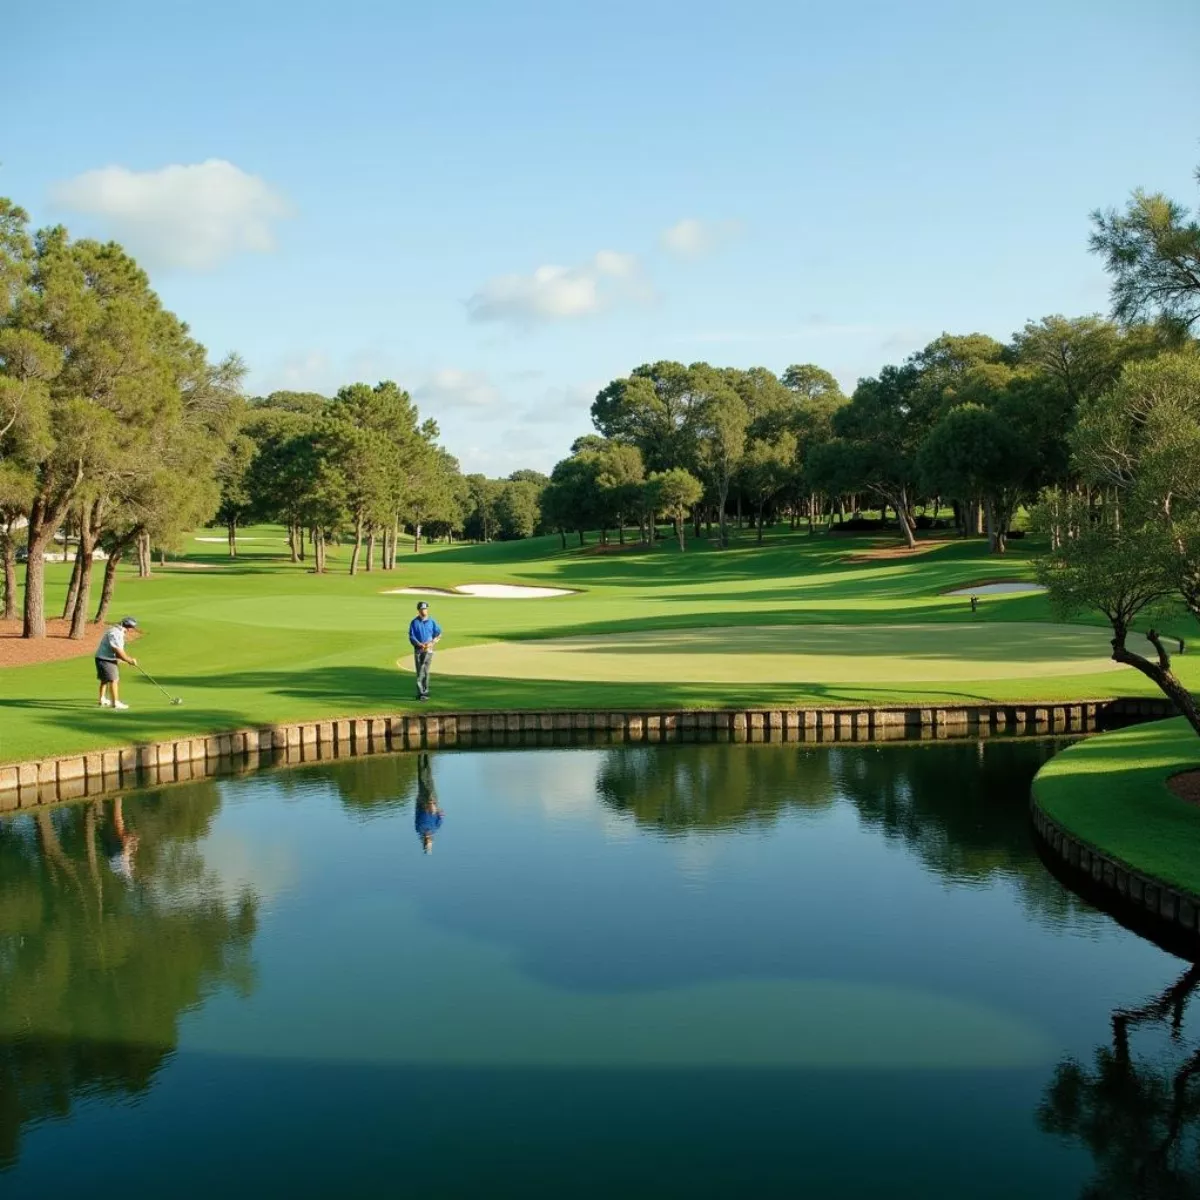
column 106, row 670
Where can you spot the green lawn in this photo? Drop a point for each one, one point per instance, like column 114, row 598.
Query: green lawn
column 1112, row 791
column 263, row 640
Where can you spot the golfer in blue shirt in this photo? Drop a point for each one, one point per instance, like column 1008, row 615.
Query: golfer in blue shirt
column 423, row 633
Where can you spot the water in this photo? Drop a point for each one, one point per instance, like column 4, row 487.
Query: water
column 679, row 970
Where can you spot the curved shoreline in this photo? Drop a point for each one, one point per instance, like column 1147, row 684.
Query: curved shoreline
column 1114, row 832
column 71, row 777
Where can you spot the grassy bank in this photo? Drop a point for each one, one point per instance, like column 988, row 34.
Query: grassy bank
column 1112, row 791
column 262, row 640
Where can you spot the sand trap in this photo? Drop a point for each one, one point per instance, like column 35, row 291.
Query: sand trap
column 489, row 591
column 800, row 654
column 996, row 589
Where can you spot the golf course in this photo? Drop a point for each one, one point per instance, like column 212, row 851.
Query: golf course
column 797, row 620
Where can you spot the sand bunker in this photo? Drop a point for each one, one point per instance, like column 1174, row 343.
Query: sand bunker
column 826, row 654
column 1004, row 588
column 489, row 591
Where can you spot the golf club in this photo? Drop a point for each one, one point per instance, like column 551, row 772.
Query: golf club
column 173, row 699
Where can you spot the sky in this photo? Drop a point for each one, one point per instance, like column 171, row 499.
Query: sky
column 503, row 206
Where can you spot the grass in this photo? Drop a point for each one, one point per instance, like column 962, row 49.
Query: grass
column 1112, row 791
column 262, row 640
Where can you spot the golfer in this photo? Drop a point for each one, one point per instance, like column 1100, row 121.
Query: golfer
column 423, row 634
column 109, row 653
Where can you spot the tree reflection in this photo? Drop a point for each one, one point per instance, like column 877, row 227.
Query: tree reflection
column 713, row 786
column 1138, row 1114
column 103, row 945
column 962, row 809
column 372, row 786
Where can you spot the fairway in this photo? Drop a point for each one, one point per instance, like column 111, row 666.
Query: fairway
column 796, row 654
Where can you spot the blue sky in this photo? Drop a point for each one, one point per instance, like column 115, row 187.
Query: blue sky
column 502, row 206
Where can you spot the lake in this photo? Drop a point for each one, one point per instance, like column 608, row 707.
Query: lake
column 677, row 970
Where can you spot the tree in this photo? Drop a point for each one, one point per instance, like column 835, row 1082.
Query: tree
column 975, row 454
column 881, row 429
column 1152, row 252
column 237, row 502
column 651, row 409
column 673, row 493
column 721, row 420
column 620, row 479
column 1142, row 439
column 766, row 470
column 1122, row 571
column 16, row 495
column 84, row 339
column 482, row 495
column 572, row 499
column 517, row 508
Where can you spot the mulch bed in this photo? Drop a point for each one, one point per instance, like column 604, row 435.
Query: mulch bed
column 16, row 651
column 884, row 553
column 1186, row 785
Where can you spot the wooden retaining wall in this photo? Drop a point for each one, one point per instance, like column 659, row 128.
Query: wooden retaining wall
column 69, row 777
column 1169, row 915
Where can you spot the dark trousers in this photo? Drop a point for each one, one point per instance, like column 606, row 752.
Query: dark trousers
column 423, row 660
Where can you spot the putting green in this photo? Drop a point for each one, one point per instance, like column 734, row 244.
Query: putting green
column 797, row 654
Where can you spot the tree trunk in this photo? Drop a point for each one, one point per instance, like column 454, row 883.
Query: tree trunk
column 89, row 526
column 581, row 541
column 722, row 531
column 110, row 582
column 760, row 524
column 293, row 549
column 231, row 527
column 812, row 510
column 621, row 530
column 696, row 521
column 371, row 549
column 900, row 504
column 679, row 531
column 354, row 557
column 44, row 520
column 1159, row 672
column 417, row 538
column 562, row 532
column 35, row 586
column 73, row 586
column 739, row 511
column 9, row 552
column 143, row 552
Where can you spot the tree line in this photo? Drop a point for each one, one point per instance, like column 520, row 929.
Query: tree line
column 118, row 430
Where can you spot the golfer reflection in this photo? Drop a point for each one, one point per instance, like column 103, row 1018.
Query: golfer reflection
column 428, row 819
column 120, row 844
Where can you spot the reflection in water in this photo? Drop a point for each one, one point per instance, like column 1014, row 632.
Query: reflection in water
column 114, row 922
column 98, row 960
column 1138, row 1114
column 960, row 808
column 428, row 816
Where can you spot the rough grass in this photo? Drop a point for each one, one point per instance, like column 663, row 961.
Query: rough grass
column 263, row 640
column 1112, row 791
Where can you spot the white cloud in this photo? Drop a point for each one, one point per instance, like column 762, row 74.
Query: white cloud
column 450, row 388
column 554, row 293
column 192, row 216
column 693, row 238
